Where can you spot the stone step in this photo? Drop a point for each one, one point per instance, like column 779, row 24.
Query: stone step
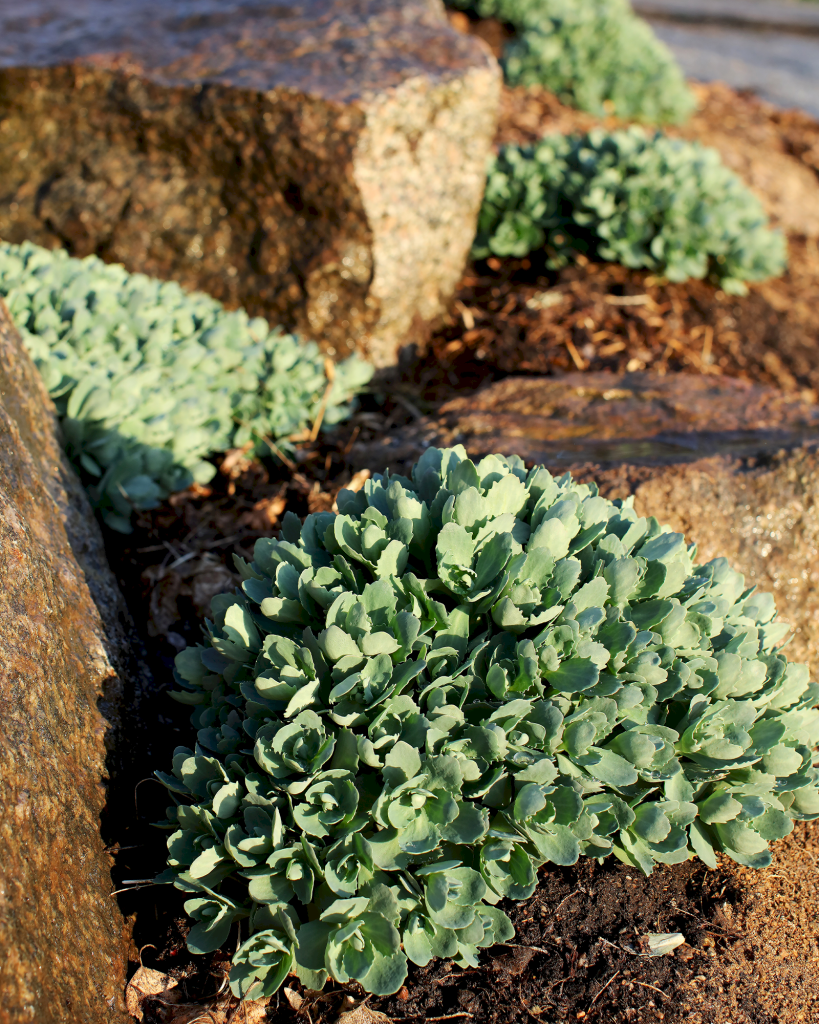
column 320, row 162
column 640, row 418
column 782, row 67
column 606, row 419
column 784, row 16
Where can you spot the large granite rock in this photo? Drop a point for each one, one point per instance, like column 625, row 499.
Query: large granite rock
column 733, row 465
column 320, row 162
column 66, row 670
column 760, row 514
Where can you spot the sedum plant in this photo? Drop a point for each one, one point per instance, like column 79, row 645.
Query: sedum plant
column 150, row 380
column 464, row 674
column 596, row 55
column 641, row 200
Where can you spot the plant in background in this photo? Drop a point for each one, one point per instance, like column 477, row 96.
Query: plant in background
column 150, row 380
column 596, row 55
column 411, row 705
column 632, row 198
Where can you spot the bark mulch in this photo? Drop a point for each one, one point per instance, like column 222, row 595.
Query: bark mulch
column 515, row 316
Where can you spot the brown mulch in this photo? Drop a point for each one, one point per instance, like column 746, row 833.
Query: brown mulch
column 514, row 316
column 508, row 318
column 181, row 554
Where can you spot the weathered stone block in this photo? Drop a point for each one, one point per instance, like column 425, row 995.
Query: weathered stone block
column 66, row 670
column 732, row 465
column 320, row 162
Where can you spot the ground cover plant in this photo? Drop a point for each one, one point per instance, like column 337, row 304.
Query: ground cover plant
column 596, row 55
column 150, row 380
column 633, row 198
column 412, row 704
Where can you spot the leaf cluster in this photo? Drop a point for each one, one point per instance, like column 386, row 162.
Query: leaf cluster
column 412, row 704
column 596, row 55
column 632, row 198
column 150, row 380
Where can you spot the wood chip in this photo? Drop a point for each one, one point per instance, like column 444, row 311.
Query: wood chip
column 358, row 480
column 628, row 300
column 147, row 983
column 545, row 300
column 252, row 1011
column 294, row 998
column 663, row 943
column 578, row 360
column 362, row 1014
column 466, row 315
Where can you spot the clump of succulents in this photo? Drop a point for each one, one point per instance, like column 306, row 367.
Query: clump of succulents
column 150, row 380
column 596, row 55
column 646, row 201
column 413, row 703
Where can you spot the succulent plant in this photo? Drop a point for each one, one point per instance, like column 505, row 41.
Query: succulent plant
column 596, row 55
column 149, row 380
column 633, row 198
column 464, row 674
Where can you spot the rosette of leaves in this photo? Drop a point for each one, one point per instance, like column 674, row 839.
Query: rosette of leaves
column 641, row 200
column 412, row 704
column 596, row 55
column 150, row 380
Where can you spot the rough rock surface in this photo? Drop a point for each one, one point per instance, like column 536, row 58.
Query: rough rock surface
column 733, row 465
column 760, row 514
column 320, row 162
column 66, row 669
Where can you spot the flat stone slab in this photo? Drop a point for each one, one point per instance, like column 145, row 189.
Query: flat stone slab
column 640, row 417
column 785, row 15
column 733, row 465
column 607, row 419
column 68, row 683
column 769, row 47
column 320, row 162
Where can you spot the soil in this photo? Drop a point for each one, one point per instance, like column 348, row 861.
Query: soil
column 751, row 954
column 580, row 952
